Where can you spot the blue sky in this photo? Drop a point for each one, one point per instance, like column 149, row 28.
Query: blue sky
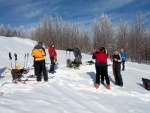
column 28, row 13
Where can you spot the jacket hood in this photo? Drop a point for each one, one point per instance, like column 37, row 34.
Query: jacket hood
column 38, row 47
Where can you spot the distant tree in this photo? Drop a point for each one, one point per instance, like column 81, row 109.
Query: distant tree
column 2, row 30
column 123, row 36
column 137, row 37
column 8, row 31
column 63, row 34
column 14, row 32
column 21, row 32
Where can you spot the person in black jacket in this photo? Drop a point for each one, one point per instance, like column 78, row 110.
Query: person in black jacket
column 116, row 58
column 77, row 55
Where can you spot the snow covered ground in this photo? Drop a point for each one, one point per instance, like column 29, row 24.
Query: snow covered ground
column 70, row 91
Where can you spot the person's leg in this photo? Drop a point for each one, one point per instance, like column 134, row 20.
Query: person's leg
column 118, row 73
column 44, row 70
column 123, row 65
column 105, row 74
column 38, row 70
column 52, row 65
column 99, row 72
column 102, row 78
column 77, row 61
column 35, row 70
column 115, row 73
column 97, row 75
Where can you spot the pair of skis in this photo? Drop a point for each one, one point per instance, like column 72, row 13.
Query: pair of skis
column 26, row 60
column 10, row 58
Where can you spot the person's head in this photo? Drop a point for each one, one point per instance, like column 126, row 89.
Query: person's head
column 115, row 52
column 101, row 49
column 76, row 46
column 40, row 43
column 121, row 50
column 52, row 44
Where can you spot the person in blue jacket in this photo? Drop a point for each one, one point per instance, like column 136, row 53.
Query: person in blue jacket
column 123, row 56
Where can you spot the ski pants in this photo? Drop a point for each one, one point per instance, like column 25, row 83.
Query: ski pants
column 101, row 76
column 123, row 64
column 102, row 71
column 52, row 64
column 77, row 61
column 117, row 74
column 40, row 67
column 35, row 70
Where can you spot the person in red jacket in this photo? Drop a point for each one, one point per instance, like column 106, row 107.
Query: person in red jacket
column 101, row 67
column 53, row 57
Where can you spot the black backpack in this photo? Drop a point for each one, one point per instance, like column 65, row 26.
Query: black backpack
column 146, row 83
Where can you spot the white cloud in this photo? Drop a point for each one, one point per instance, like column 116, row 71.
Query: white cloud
column 33, row 13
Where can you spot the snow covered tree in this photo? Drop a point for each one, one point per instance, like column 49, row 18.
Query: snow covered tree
column 2, row 30
column 8, row 31
column 103, row 31
column 21, row 32
column 123, row 36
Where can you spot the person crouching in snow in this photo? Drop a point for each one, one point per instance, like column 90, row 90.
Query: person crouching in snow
column 116, row 59
column 77, row 55
column 53, row 57
column 101, row 67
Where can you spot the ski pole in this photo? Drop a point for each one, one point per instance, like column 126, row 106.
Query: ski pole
column 15, row 59
column 27, row 59
column 66, row 58
column 10, row 59
column 24, row 60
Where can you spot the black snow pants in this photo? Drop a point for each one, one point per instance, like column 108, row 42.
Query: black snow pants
column 40, row 67
column 117, row 74
column 102, row 71
column 52, row 64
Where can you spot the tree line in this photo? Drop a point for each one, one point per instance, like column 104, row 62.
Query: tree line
column 133, row 37
column 12, row 32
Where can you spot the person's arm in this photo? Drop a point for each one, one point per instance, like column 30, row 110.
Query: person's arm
column 32, row 53
column 94, row 56
column 120, row 58
column 69, row 49
column 44, row 51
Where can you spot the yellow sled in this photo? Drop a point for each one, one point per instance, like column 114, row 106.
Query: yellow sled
column 17, row 67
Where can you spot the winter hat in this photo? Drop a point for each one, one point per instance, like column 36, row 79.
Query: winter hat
column 40, row 43
column 51, row 44
column 114, row 49
column 101, row 49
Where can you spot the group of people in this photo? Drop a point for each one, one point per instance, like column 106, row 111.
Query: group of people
column 101, row 66
column 39, row 54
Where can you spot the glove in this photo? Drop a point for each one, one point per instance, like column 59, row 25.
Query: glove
column 55, row 59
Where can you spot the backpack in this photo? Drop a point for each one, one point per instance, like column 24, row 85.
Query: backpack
column 70, row 63
column 146, row 83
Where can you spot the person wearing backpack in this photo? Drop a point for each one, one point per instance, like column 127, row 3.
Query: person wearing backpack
column 39, row 61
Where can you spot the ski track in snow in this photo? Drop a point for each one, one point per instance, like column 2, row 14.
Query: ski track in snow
column 65, row 74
